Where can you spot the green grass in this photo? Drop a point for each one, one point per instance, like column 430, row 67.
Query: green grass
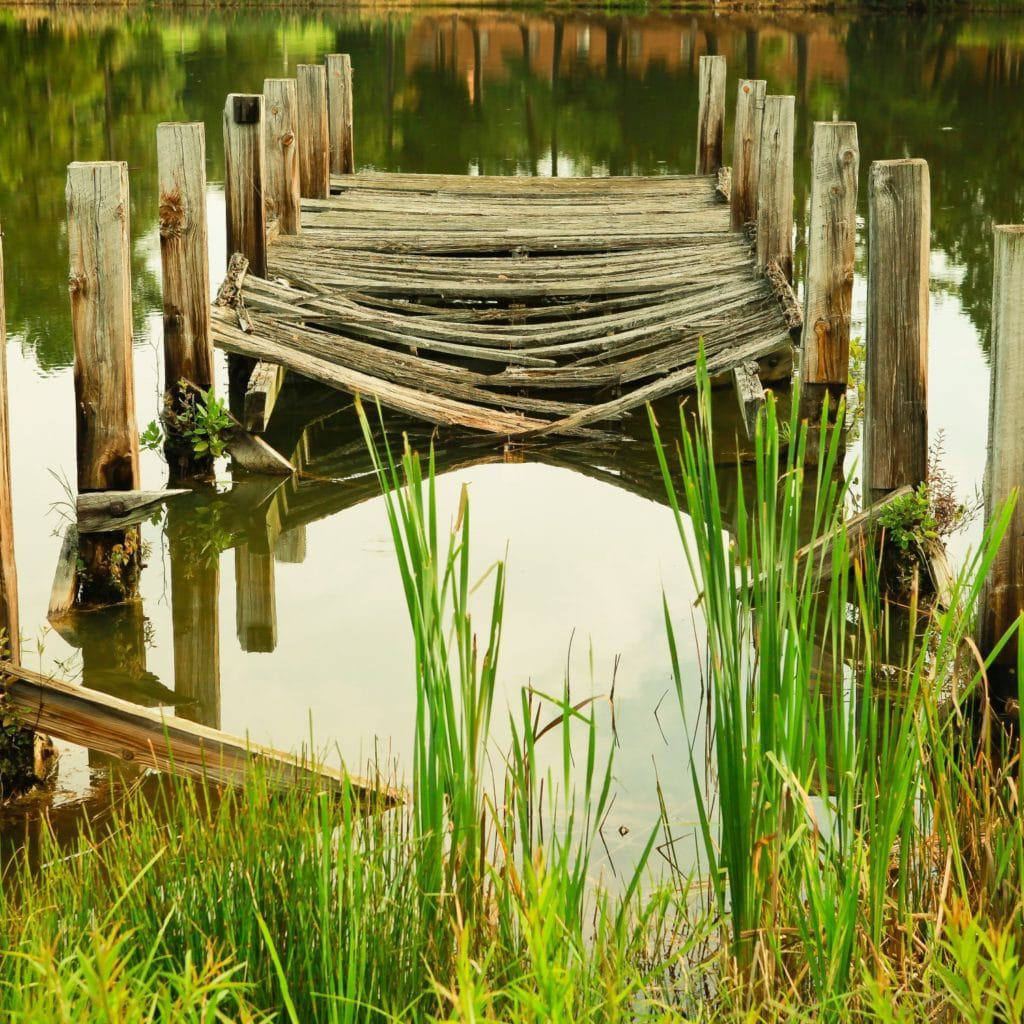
column 860, row 827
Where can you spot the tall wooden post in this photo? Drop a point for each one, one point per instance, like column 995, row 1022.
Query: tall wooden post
column 339, row 109
column 8, row 569
column 314, row 134
column 1003, row 597
column 746, row 151
column 184, row 261
column 775, row 184
column 282, row 155
column 832, row 238
column 711, row 115
column 244, row 180
column 896, row 400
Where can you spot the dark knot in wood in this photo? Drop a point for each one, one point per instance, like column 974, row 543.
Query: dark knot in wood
column 118, row 508
column 76, row 283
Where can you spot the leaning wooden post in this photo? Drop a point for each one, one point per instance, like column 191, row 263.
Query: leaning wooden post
column 896, row 398
column 99, row 247
column 775, row 185
column 339, row 109
column 282, row 155
column 1003, row 596
column 746, row 151
column 184, row 261
column 711, row 115
column 314, row 133
column 832, row 237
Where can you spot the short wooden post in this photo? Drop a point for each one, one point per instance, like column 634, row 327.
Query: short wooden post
column 314, row 133
column 896, row 398
column 339, row 109
column 99, row 248
column 711, row 114
column 832, row 238
column 746, row 151
column 1003, row 597
column 244, row 180
column 775, row 184
column 282, row 155
column 10, row 646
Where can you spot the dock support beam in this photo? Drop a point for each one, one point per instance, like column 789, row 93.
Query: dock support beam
column 99, row 248
column 711, row 115
column 775, row 185
column 1003, row 597
column 282, row 155
column 832, row 238
column 896, row 398
column 339, row 108
column 746, row 151
column 314, row 134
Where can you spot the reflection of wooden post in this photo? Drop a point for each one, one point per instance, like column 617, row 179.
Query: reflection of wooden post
column 282, row 155
column 746, row 151
column 99, row 247
column 244, row 179
column 832, row 239
column 8, row 569
column 291, row 545
column 339, row 109
column 896, row 393
column 195, row 616
column 711, row 115
column 255, row 599
column 1003, row 598
column 314, row 134
column 775, row 185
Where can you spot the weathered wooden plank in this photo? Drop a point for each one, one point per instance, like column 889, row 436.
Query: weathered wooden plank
column 831, row 244
column 746, row 151
column 711, row 114
column 261, row 394
column 65, row 577
column 749, row 394
column 282, row 191
column 1003, row 598
column 314, row 139
column 896, row 375
column 245, row 178
column 775, row 184
column 9, row 626
column 339, row 111
column 254, row 455
column 152, row 739
column 104, row 511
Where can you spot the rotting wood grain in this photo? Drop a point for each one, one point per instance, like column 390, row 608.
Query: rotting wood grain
column 775, row 184
column 282, row 190
column 313, row 132
column 711, row 114
column 244, row 179
column 339, row 111
column 746, row 151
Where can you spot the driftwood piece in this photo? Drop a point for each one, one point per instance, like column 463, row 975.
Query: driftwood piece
column 106, row 511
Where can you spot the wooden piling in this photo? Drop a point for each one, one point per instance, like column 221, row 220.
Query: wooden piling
column 775, row 184
column 711, row 114
column 8, row 569
column 339, row 109
column 314, row 137
column 896, row 399
column 244, row 180
column 1003, row 596
column 832, row 237
column 282, row 155
column 746, row 151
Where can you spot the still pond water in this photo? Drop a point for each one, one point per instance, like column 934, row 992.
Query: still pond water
column 440, row 91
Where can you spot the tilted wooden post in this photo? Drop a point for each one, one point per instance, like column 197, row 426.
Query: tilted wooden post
column 832, row 238
column 244, row 180
column 896, row 399
column 746, row 151
column 1003, row 596
column 314, row 134
column 99, row 249
column 775, row 184
column 8, row 569
column 339, row 110
column 711, row 115
column 282, row 155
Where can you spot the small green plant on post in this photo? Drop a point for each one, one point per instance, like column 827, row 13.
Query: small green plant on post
column 194, row 431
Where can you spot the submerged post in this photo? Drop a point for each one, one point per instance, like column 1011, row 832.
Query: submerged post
column 244, row 180
column 282, row 155
column 832, row 237
column 314, row 134
column 775, row 184
column 711, row 114
column 339, row 109
column 99, row 248
column 896, row 398
column 1003, row 596
column 746, row 151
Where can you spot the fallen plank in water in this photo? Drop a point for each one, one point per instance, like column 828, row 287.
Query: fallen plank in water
column 261, row 394
column 150, row 738
column 105, row 511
